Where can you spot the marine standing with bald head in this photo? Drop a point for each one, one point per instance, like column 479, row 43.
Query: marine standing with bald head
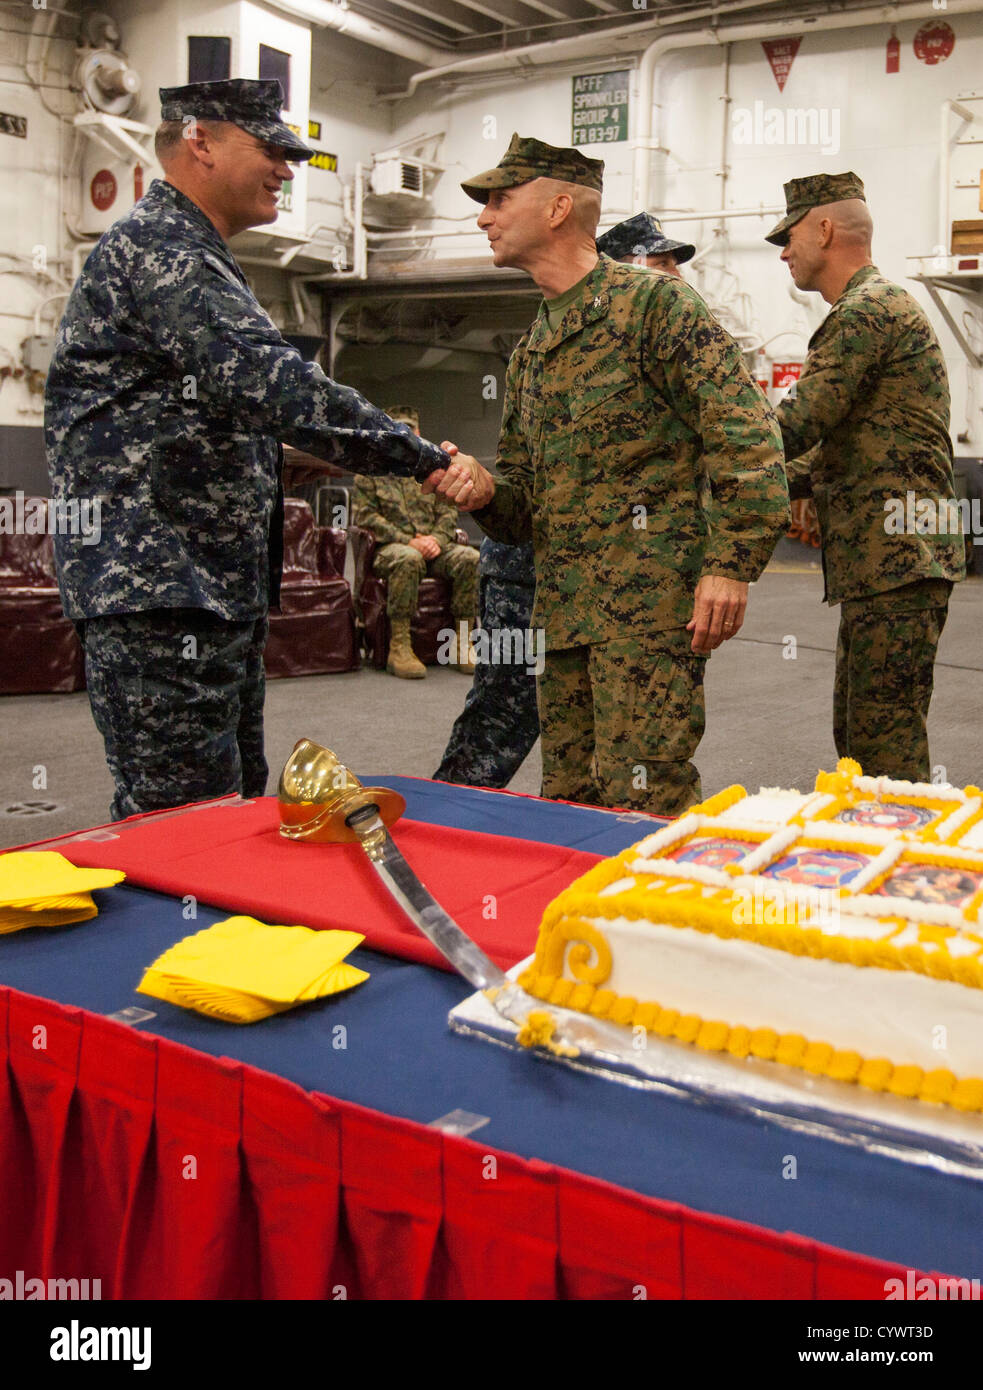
column 168, row 398
column 623, row 395
column 874, row 397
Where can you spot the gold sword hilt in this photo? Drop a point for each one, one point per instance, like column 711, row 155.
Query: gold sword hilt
column 317, row 794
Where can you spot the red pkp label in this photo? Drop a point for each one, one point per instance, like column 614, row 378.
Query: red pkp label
column 102, row 190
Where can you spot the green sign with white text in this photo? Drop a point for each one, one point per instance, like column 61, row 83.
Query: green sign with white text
column 600, row 108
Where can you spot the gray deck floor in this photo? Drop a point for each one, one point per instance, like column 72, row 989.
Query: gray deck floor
column 768, row 716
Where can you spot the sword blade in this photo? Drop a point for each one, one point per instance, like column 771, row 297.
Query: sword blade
column 571, row 1031
column 421, row 907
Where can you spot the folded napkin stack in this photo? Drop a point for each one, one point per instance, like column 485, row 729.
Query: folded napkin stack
column 39, row 888
column 240, row 970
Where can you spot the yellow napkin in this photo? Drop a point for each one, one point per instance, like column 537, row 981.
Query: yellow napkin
column 40, row 888
column 240, row 970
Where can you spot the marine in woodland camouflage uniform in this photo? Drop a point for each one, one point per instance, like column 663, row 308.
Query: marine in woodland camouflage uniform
column 168, row 395
column 500, row 721
column 396, row 511
column 499, row 724
column 872, row 407
column 623, row 396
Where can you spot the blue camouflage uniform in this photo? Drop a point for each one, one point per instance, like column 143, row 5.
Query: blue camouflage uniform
column 168, row 397
column 500, row 721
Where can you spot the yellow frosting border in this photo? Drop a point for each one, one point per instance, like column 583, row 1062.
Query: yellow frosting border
column 676, row 903
column 715, row 911
column 940, row 1086
column 967, row 825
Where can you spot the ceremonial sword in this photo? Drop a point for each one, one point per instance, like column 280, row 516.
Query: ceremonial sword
column 321, row 800
column 561, row 1031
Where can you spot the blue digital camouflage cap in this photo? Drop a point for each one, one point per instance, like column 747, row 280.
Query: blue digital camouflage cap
column 253, row 104
column 642, row 235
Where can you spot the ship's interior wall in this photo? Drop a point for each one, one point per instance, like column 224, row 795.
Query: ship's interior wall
column 721, row 121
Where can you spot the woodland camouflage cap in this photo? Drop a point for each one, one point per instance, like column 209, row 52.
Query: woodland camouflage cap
column 813, row 192
column 527, row 159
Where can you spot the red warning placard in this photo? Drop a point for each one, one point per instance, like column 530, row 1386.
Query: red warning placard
column 784, row 373
column 781, row 55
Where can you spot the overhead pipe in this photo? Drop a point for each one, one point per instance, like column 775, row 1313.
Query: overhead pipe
column 360, row 253
column 327, row 15
column 553, row 51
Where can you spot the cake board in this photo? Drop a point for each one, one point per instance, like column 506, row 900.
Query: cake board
column 911, row 1131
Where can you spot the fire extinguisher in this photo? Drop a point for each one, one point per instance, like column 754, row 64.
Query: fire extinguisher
column 893, row 60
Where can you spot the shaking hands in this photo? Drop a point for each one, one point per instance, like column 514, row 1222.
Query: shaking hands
column 465, row 483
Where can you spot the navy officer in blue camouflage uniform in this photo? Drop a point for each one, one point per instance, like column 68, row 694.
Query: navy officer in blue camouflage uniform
column 168, row 398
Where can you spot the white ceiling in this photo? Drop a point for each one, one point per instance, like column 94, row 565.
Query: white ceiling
column 475, row 26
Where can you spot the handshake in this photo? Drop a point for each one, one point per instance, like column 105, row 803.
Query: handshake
column 465, row 483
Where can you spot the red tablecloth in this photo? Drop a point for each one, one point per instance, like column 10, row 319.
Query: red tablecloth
column 232, row 856
column 165, row 1173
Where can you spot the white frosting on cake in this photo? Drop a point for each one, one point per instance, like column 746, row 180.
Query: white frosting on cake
column 925, row 791
column 669, row 834
column 894, row 1014
column 771, row 849
column 958, row 817
column 877, row 866
column 754, row 944
column 771, row 807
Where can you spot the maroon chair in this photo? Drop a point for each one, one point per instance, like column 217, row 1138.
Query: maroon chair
column 313, row 632
column 39, row 650
column 433, row 614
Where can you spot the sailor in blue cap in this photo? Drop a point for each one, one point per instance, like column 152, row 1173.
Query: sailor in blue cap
column 169, row 396
column 225, row 145
column 640, row 240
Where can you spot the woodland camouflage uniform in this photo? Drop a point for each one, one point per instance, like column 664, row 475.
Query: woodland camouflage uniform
column 614, row 423
column 396, row 510
column 872, row 407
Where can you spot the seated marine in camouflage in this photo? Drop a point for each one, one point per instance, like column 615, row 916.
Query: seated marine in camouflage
column 872, row 409
column 417, row 535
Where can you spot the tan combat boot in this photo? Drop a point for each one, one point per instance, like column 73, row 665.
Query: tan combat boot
column 402, row 660
column 465, row 651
